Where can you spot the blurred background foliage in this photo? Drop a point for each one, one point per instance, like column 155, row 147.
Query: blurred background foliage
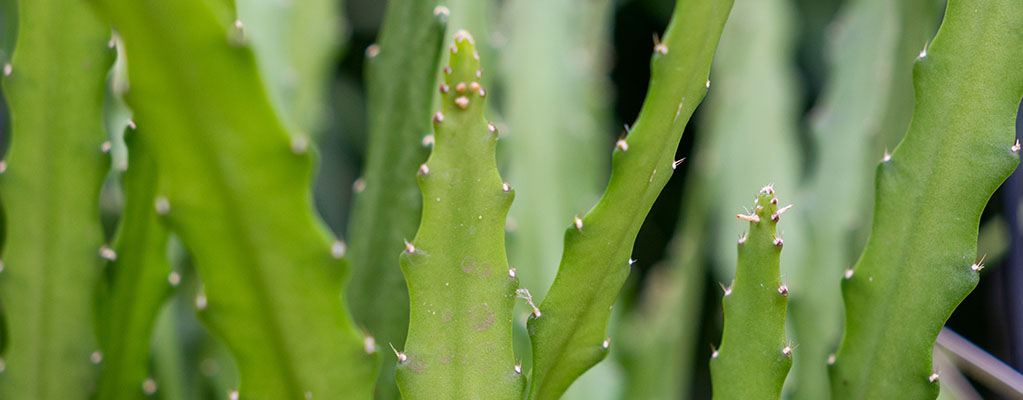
column 771, row 70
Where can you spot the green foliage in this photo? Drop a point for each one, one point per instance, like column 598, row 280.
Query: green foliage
column 460, row 286
column 138, row 282
column 401, row 77
column 570, row 337
column 755, row 356
column 271, row 273
column 920, row 262
column 230, row 98
column 49, row 184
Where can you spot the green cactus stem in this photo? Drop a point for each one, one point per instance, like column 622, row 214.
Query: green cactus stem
column 139, row 280
column 920, row 260
column 754, row 357
column 296, row 45
column 272, row 273
column 460, row 286
column 571, row 336
column 49, row 183
column 401, row 74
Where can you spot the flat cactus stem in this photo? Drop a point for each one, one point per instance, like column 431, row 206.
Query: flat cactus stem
column 461, row 288
column 296, row 44
column 920, row 260
column 401, row 74
column 754, row 357
column 139, row 280
column 272, row 273
column 570, row 335
column 49, row 184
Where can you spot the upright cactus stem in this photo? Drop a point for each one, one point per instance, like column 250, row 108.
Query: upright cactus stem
column 571, row 335
column 460, row 286
column 755, row 356
column 921, row 258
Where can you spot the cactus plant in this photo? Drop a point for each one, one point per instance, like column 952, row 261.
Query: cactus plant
column 272, row 292
column 959, row 148
column 217, row 182
column 49, row 186
column 755, row 356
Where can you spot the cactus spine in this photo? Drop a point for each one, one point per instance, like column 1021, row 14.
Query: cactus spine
column 272, row 273
column 461, row 288
column 49, row 184
column 571, row 336
column 755, row 356
column 920, row 260
column 401, row 74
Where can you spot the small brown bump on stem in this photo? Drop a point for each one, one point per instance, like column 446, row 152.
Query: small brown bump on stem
column 483, row 92
column 424, row 169
column 454, row 50
column 887, row 156
column 409, row 247
column 1016, row 147
column 233, row 395
column 428, row 140
column 162, row 205
column 678, row 162
column 149, row 386
column 479, row 74
column 359, row 185
column 607, row 343
column 726, row 289
column 8, row 69
column 659, row 47
column 402, row 358
column 3, row 166
column 849, row 273
column 778, row 242
column 506, row 187
column 460, row 87
column 511, row 273
column 96, row 357
column 632, row 261
column 131, row 124
column 462, row 34
column 447, row 70
column 708, row 84
column 462, row 101
column 105, row 146
column 476, row 54
column 831, row 359
column 518, row 367
column 934, row 376
column 713, row 352
column 238, row 24
column 107, row 253
column 369, row 344
column 742, row 238
column 923, row 54
column 441, row 11
column 622, row 145
column 372, row 50
column 474, row 86
column 438, row 117
column 491, row 127
column 787, row 351
column 111, row 43
column 578, row 222
column 774, row 200
column 769, row 189
column 338, row 249
column 444, row 88
column 174, row 278
column 783, row 290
